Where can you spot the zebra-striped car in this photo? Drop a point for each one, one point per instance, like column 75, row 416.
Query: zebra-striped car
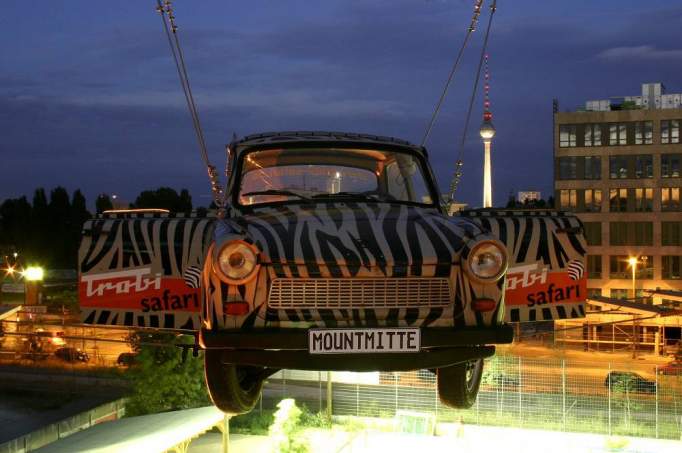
column 334, row 253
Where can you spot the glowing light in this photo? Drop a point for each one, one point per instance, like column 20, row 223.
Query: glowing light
column 33, row 273
column 632, row 261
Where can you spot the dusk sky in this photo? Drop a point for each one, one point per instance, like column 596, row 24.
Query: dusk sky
column 90, row 99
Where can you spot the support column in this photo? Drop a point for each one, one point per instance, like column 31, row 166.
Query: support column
column 226, row 434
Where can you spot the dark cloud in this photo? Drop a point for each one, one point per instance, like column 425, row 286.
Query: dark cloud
column 94, row 101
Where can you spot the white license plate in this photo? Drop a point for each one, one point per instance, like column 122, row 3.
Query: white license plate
column 349, row 341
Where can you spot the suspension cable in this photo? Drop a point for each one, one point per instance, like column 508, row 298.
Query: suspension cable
column 436, row 111
column 458, row 165
column 165, row 9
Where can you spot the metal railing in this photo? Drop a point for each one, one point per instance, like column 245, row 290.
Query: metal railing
column 529, row 393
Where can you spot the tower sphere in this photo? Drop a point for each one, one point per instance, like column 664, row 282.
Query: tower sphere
column 487, row 130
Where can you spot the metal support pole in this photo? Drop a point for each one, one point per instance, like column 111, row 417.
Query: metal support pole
column 518, row 390
column 609, row 392
column 563, row 393
column 319, row 385
column 357, row 400
column 226, row 434
column 657, row 388
column 284, row 383
column 329, row 395
column 395, row 390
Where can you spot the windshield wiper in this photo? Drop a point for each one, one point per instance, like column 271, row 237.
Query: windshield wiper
column 276, row 192
column 363, row 195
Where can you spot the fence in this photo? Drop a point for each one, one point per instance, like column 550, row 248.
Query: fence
column 529, row 393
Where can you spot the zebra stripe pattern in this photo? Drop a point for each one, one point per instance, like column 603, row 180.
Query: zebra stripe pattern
column 576, row 269
column 350, row 240
column 552, row 238
column 172, row 246
column 192, row 276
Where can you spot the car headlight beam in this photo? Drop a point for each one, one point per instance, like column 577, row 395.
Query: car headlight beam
column 236, row 262
column 487, row 261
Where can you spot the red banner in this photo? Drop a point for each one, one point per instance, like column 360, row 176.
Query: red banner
column 138, row 289
column 543, row 288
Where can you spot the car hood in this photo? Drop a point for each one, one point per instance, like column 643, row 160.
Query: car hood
column 364, row 234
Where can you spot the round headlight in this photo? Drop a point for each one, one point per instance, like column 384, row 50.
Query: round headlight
column 237, row 262
column 487, row 261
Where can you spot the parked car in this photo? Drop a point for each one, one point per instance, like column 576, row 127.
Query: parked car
column 674, row 368
column 126, row 359
column 54, row 337
column 500, row 380
column 627, row 380
column 69, row 354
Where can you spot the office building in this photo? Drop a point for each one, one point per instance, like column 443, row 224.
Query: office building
column 617, row 165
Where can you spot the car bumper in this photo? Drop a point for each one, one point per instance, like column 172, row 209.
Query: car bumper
column 288, row 348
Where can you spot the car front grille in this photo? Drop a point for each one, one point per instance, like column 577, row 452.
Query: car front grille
column 359, row 292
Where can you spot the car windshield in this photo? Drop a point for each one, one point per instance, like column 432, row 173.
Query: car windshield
column 305, row 175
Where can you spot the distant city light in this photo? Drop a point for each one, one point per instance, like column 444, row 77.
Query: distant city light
column 33, row 273
column 9, row 270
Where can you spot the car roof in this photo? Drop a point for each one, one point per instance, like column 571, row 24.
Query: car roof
column 328, row 138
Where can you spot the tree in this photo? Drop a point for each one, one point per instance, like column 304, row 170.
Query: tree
column 161, row 381
column 165, row 198
column 103, row 203
column 59, row 220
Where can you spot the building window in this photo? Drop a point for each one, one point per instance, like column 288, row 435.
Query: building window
column 568, row 199
column 644, row 166
column 676, row 304
column 618, row 166
column 592, row 292
column 618, row 200
column 645, row 267
column 671, row 267
column 592, row 233
column 670, row 165
column 618, row 233
column 644, row 132
column 670, row 199
column 643, row 233
column 631, row 233
column 592, row 167
column 671, row 233
column 568, row 168
column 567, row 135
column 643, row 297
column 619, row 293
column 618, row 267
column 594, row 266
column 593, row 200
column 644, row 200
column 593, row 135
column 670, row 131
column 618, row 134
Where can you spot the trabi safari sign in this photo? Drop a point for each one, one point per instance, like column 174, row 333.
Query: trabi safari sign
column 533, row 293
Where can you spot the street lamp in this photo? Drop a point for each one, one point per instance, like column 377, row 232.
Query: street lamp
column 33, row 274
column 632, row 261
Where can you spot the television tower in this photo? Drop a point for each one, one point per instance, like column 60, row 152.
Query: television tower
column 487, row 133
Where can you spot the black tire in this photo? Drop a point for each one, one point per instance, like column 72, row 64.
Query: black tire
column 458, row 384
column 233, row 389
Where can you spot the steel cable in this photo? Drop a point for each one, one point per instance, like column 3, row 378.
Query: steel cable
column 436, row 111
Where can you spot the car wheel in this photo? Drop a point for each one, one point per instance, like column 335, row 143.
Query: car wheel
column 458, row 384
column 233, row 389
